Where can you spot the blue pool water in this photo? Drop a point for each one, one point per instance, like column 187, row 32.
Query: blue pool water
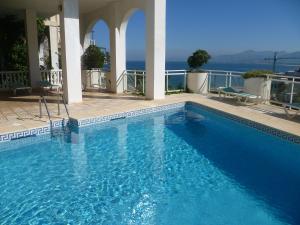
column 187, row 166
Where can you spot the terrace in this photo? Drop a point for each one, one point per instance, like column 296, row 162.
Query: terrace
column 92, row 93
column 19, row 113
column 86, row 145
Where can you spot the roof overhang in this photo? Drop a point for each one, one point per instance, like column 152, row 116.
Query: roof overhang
column 48, row 7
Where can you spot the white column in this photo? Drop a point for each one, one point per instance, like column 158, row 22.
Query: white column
column 118, row 52
column 33, row 53
column 53, row 33
column 87, row 41
column 70, row 40
column 156, row 48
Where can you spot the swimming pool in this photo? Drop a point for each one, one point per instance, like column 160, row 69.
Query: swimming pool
column 187, row 165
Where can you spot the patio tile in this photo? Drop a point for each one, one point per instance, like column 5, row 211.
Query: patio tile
column 16, row 114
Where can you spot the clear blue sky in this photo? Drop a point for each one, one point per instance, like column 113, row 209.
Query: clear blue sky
column 219, row 26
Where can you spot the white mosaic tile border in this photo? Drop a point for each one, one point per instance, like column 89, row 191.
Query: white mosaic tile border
column 261, row 127
column 73, row 123
column 102, row 119
column 32, row 132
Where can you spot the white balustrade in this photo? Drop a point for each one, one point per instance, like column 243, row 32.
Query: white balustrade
column 54, row 77
column 289, row 90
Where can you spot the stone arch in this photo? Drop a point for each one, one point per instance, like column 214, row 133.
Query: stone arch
column 126, row 18
column 88, row 30
column 124, row 25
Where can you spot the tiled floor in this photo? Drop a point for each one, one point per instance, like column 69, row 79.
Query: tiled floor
column 20, row 113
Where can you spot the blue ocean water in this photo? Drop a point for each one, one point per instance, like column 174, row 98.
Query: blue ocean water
column 140, row 65
column 185, row 166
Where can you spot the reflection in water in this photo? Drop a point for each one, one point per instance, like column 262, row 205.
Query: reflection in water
column 159, row 147
column 122, row 142
column 79, row 156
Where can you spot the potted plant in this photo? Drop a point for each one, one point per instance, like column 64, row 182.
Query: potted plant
column 92, row 59
column 257, row 83
column 197, row 80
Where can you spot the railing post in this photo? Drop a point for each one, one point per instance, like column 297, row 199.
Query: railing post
column 143, row 82
column 226, row 79
column 184, row 82
column 167, row 80
column 230, row 79
column 292, row 91
column 58, row 105
column 40, row 106
column 135, row 81
column 209, row 81
column 123, row 79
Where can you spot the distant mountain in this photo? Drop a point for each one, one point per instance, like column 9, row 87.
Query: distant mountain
column 257, row 57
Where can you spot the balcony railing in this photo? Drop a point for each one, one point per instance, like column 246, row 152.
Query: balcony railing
column 284, row 89
column 176, row 81
column 222, row 78
column 10, row 79
column 134, row 81
column 54, row 77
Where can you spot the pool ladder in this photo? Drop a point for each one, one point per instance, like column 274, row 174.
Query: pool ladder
column 60, row 97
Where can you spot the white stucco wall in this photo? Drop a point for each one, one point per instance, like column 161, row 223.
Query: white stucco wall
column 116, row 15
column 75, row 34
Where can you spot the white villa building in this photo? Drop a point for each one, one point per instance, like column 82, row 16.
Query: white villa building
column 75, row 21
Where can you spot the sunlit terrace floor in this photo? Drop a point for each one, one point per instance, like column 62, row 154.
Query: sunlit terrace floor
column 22, row 112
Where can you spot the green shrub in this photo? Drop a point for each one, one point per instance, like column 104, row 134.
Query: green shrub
column 93, row 58
column 257, row 73
column 198, row 59
column 18, row 57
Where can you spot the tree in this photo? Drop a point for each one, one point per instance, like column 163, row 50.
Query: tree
column 13, row 44
column 198, row 59
column 42, row 29
column 18, row 57
column 12, row 32
column 93, row 58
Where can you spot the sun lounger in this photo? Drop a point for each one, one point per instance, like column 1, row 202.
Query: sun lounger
column 288, row 109
column 239, row 95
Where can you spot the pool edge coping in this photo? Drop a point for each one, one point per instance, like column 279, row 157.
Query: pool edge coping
column 85, row 122
column 251, row 123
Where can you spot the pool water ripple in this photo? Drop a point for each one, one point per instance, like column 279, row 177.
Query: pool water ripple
column 185, row 166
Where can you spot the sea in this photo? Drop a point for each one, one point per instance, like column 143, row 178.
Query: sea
column 140, row 65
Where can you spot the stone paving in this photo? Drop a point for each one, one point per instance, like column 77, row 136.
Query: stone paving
column 22, row 112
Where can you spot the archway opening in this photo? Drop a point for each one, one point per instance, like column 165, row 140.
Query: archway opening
column 100, row 37
column 134, row 26
column 96, row 56
column 135, row 41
